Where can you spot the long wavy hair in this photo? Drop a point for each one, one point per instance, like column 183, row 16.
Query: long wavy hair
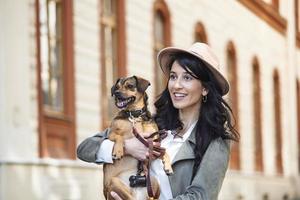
column 215, row 115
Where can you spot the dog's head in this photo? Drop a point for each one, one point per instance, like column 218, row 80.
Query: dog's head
column 129, row 92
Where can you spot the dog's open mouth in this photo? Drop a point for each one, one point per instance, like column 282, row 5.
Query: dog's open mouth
column 122, row 103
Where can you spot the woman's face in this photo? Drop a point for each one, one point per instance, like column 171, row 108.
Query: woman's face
column 185, row 90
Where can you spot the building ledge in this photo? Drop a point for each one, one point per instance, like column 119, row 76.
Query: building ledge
column 267, row 13
column 50, row 162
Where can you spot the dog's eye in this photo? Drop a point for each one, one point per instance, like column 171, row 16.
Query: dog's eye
column 129, row 86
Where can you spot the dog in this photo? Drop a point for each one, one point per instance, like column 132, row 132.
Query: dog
column 131, row 100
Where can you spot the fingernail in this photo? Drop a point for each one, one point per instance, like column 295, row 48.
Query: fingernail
column 112, row 193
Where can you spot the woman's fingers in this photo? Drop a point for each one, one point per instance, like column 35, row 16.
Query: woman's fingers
column 135, row 148
column 115, row 195
column 138, row 150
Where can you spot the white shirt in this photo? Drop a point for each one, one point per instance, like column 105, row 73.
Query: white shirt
column 172, row 146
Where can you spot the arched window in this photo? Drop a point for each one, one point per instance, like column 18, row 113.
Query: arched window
column 55, row 78
column 275, row 5
column 113, row 52
column 257, row 116
column 298, row 120
column 162, row 38
column 277, row 122
column 233, row 100
column 297, row 21
column 200, row 33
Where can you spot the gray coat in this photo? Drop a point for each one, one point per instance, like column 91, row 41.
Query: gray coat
column 207, row 182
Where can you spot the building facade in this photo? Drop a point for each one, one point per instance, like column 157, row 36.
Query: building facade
column 59, row 59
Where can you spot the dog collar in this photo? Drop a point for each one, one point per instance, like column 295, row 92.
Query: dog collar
column 135, row 113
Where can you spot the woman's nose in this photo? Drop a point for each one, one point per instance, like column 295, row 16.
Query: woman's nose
column 177, row 83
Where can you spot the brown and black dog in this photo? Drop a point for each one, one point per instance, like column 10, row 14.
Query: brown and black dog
column 131, row 99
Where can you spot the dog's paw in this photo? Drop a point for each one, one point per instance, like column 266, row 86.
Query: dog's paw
column 169, row 171
column 118, row 154
column 167, row 167
column 118, row 151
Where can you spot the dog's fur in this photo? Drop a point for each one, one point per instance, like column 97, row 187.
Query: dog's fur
column 130, row 96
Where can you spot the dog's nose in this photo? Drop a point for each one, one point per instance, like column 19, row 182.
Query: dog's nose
column 117, row 93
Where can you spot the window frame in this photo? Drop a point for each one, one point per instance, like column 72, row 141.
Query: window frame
column 121, row 54
column 235, row 162
column 257, row 114
column 200, row 33
column 57, row 130
column 161, row 7
column 277, row 122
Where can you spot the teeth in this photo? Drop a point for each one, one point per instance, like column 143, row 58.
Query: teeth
column 123, row 103
column 179, row 95
column 120, row 104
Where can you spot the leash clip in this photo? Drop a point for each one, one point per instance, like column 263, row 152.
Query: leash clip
column 133, row 119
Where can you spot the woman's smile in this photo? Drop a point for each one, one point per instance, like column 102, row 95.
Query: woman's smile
column 184, row 89
column 179, row 96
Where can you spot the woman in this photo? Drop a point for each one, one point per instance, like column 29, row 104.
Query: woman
column 192, row 107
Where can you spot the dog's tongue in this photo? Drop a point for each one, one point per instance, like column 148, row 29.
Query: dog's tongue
column 121, row 104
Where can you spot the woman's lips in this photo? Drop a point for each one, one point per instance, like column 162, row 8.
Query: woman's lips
column 178, row 96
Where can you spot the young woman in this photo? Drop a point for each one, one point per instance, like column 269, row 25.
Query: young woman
column 199, row 123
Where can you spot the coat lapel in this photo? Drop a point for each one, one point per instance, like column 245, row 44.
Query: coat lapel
column 186, row 151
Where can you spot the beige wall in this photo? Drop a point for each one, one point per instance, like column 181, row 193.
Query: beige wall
column 87, row 67
column 224, row 21
column 50, row 180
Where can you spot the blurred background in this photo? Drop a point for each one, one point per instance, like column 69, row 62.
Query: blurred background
column 59, row 59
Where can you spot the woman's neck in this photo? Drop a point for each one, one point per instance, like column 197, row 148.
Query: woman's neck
column 187, row 118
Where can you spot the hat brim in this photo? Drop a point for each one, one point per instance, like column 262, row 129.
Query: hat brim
column 165, row 55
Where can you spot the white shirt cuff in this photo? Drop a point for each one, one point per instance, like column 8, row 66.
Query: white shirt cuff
column 104, row 154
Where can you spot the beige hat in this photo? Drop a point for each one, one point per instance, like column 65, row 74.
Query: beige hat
column 201, row 51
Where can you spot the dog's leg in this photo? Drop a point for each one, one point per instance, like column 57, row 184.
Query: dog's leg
column 118, row 150
column 167, row 164
column 121, row 189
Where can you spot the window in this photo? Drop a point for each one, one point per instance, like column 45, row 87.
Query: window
column 113, row 53
column 55, row 78
column 257, row 116
column 233, row 100
column 297, row 22
column 200, row 33
column 275, row 5
column 298, row 117
column 297, row 16
column 277, row 122
column 162, row 38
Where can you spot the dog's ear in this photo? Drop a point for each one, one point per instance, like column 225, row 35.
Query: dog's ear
column 142, row 84
column 113, row 88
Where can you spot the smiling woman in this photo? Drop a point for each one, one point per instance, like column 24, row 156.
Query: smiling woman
column 193, row 100
column 184, row 89
column 199, row 127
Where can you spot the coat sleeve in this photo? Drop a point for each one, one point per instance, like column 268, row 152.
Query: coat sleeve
column 208, row 180
column 89, row 147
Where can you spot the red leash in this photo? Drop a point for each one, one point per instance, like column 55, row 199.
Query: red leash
column 149, row 143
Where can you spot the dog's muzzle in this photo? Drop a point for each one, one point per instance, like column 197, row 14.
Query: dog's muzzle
column 123, row 102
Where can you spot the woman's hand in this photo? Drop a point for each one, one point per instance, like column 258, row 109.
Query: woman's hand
column 135, row 148
column 115, row 196
column 138, row 150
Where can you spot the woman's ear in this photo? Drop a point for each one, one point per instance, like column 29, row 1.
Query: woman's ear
column 204, row 91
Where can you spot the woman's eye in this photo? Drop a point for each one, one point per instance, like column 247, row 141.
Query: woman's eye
column 187, row 77
column 172, row 76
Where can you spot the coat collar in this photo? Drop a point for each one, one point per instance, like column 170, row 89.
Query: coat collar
column 186, row 151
